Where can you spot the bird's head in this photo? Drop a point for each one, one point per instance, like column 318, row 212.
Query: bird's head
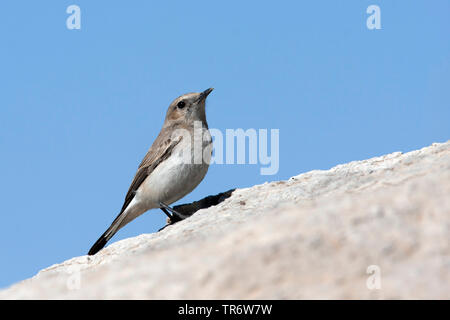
column 188, row 108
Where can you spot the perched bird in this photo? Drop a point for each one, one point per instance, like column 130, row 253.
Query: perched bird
column 174, row 165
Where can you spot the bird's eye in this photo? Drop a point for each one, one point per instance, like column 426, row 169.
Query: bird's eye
column 181, row 104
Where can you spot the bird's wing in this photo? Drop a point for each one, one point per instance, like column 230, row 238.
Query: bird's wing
column 160, row 150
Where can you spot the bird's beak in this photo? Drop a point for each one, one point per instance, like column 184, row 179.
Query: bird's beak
column 204, row 94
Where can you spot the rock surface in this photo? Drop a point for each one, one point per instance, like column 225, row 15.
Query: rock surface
column 312, row 236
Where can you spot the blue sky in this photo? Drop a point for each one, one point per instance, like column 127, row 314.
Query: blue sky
column 80, row 108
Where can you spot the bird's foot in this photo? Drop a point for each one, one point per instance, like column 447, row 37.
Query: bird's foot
column 175, row 216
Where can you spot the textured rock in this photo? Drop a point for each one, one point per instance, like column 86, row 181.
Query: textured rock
column 312, row 236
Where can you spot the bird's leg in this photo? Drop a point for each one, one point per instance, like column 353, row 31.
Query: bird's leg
column 167, row 213
column 175, row 213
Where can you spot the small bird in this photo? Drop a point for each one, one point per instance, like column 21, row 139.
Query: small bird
column 174, row 165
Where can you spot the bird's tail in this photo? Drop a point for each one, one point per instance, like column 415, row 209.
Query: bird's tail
column 122, row 219
column 99, row 244
column 109, row 233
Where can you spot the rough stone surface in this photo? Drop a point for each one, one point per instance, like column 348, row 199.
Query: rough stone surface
column 312, row 236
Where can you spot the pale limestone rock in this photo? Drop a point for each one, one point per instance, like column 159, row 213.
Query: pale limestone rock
column 312, row 236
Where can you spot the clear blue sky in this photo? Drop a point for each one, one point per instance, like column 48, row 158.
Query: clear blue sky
column 79, row 108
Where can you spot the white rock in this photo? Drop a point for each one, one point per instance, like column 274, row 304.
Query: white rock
column 312, row 236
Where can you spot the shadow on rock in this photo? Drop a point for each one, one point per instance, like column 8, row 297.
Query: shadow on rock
column 189, row 209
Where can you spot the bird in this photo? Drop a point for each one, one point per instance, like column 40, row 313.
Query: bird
column 175, row 164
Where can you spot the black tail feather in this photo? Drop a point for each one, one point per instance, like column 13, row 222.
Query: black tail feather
column 98, row 245
column 101, row 242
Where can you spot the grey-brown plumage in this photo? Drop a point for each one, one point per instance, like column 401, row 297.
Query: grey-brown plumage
column 164, row 176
